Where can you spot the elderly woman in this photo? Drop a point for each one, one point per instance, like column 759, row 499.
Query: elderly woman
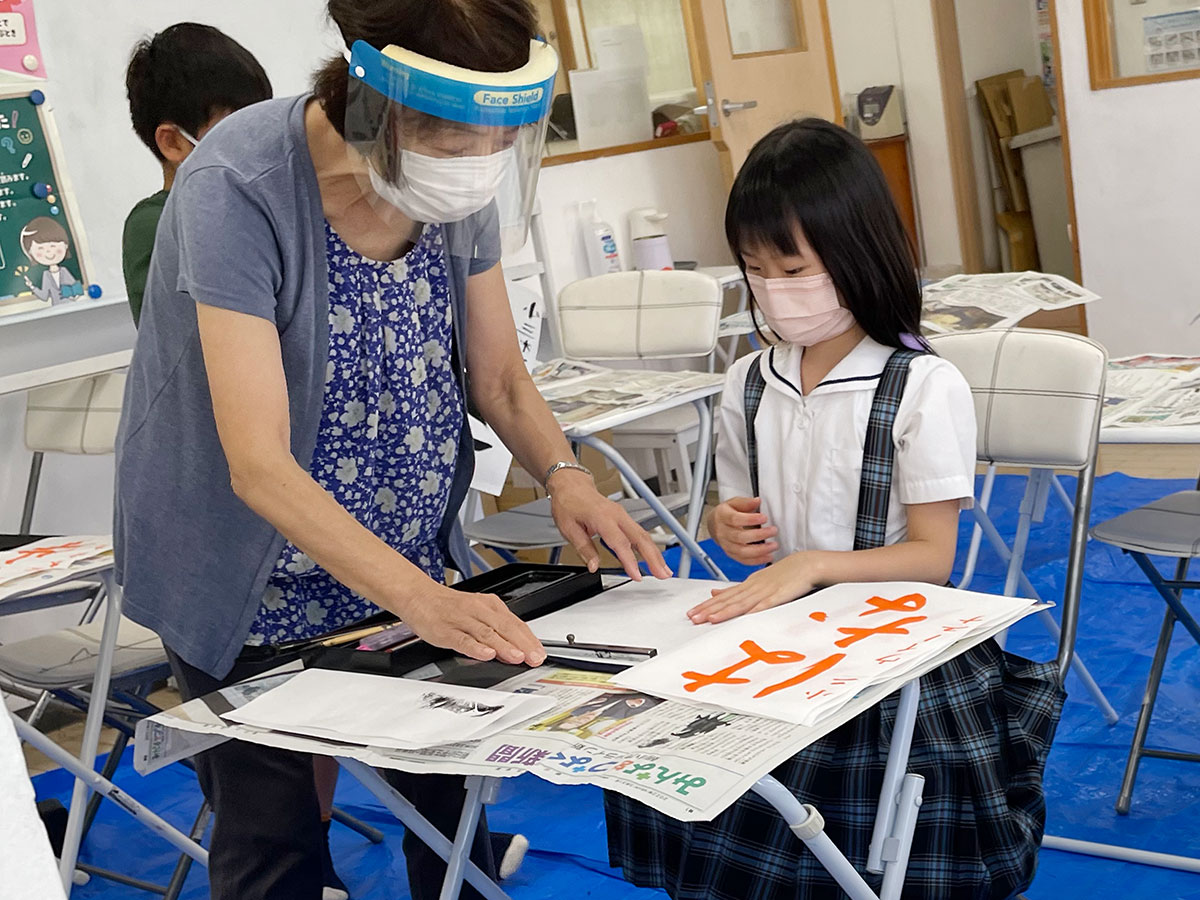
column 324, row 300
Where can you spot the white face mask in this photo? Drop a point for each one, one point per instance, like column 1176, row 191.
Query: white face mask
column 438, row 190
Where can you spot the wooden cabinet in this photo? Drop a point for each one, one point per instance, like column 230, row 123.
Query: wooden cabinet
column 892, row 156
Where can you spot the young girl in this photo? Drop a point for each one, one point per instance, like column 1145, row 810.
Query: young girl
column 846, row 451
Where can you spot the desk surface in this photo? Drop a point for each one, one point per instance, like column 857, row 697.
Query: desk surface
column 19, row 382
column 1149, row 434
column 625, row 415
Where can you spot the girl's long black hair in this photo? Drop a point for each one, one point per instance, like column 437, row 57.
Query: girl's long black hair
column 816, row 175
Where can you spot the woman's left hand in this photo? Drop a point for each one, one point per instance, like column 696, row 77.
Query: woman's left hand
column 784, row 581
column 580, row 511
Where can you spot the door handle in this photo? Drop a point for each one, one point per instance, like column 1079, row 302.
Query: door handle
column 727, row 107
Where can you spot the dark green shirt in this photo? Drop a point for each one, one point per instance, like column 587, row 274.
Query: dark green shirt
column 137, row 244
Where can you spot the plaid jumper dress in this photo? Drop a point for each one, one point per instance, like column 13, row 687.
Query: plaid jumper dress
column 984, row 727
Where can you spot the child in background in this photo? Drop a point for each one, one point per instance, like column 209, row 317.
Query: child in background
column 180, row 83
column 812, row 223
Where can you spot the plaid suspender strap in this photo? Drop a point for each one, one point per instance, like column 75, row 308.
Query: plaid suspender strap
column 879, row 451
column 751, row 398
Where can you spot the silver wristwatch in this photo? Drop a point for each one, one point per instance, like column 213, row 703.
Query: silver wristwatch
column 564, row 465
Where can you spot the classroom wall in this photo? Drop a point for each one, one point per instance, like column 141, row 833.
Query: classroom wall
column 891, row 42
column 1133, row 160
column 994, row 36
column 683, row 181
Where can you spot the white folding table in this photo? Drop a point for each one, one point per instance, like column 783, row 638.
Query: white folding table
column 898, row 807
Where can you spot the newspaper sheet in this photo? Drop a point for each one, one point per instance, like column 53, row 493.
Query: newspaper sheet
column 740, row 323
column 1152, row 389
column 969, row 302
column 582, row 395
column 45, row 563
column 688, row 760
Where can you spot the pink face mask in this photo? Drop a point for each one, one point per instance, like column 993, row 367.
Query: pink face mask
column 803, row 311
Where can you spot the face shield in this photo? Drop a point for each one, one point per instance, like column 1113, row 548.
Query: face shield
column 442, row 142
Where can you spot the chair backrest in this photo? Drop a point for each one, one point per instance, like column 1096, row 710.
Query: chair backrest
column 1038, row 394
column 79, row 416
column 640, row 315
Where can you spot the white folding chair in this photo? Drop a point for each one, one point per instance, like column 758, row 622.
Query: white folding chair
column 1038, row 397
column 620, row 317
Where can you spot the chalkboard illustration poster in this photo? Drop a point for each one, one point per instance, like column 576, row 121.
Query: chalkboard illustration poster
column 43, row 254
column 20, row 53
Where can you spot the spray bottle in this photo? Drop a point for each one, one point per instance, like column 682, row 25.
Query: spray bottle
column 599, row 241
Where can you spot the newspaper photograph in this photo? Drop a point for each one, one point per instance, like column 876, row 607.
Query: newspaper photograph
column 1152, row 390
column 581, row 395
column 1000, row 300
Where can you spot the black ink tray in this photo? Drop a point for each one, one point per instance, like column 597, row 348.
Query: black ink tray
column 530, row 590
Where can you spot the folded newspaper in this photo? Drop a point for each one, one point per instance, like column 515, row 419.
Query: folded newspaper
column 971, row 302
column 686, row 759
column 1152, row 390
column 585, row 396
column 43, row 564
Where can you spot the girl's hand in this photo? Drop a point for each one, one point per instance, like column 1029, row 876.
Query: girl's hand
column 791, row 577
column 742, row 531
column 580, row 511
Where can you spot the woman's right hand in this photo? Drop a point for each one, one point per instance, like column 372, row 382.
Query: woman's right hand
column 742, row 531
column 476, row 625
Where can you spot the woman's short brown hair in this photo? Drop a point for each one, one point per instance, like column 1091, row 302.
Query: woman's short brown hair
column 44, row 230
column 487, row 35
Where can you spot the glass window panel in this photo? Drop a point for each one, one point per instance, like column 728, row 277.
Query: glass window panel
column 762, row 26
column 1154, row 37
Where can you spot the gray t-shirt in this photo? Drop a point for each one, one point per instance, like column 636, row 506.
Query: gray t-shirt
column 243, row 229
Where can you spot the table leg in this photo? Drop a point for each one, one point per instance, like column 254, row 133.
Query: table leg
column 700, row 472
column 893, row 775
column 464, row 838
column 642, row 490
column 109, row 791
column 403, row 810
column 1125, row 854
column 806, row 823
column 91, row 730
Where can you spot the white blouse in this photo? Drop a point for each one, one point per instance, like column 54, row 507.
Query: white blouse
column 810, row 448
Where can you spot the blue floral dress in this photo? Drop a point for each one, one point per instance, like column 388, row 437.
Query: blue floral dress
column 388, row 439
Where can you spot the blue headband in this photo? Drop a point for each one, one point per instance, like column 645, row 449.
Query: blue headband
column 457, row 94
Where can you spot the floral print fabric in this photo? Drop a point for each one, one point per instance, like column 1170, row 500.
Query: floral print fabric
column 390, row 424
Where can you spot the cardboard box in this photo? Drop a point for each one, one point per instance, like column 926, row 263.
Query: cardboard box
column 1000, row 124
column 1030, row 104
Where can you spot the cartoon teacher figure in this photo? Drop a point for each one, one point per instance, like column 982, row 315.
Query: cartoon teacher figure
column 45, row 242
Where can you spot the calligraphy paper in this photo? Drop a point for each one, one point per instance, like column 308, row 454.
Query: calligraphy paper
column 647, row 613
column 378, row 711
column 45, row 563
column 800, row 661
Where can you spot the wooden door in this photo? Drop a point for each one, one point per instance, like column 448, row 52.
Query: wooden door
column 761, row 62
